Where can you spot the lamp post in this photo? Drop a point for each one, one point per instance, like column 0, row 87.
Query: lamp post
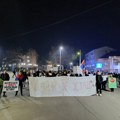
column 79, row 54
column 71, row 65
column 61, row 48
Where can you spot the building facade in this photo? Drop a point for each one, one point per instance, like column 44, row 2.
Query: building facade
column 100, row 59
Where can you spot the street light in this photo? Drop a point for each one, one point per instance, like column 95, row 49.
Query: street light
column 79, row 54
column 61, row 48
column 71, row 64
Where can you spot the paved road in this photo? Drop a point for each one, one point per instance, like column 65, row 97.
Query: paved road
column 25, row 107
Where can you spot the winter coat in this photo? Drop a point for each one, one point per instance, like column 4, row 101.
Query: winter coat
column 99, row 79
column 20, row 77
column 5, row 76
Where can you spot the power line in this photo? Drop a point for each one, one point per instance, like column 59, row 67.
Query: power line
column 63, row 20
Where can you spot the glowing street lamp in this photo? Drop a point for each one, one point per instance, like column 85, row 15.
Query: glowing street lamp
column 61, row 48
column 71, row 64
column 79, row 54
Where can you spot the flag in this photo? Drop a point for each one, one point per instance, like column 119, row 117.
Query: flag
column 83, row 64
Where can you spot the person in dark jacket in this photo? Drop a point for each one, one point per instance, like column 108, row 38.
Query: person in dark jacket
column 20, row 78
column 5, row 77
column 24, row 73
column 37, row 73
column 25, row 77
column 14, row 73
column 64, row 73
column 99, row 80
column 86, row 73
column 49, row 74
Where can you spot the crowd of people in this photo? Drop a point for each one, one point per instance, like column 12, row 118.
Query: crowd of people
column 22, row 75
column 40, row 73
column 101, row 84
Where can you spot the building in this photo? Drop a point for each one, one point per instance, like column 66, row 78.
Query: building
column 103, row 59
column 13, row 59
column 28, row 61
column 110, row 64
column 114, row 64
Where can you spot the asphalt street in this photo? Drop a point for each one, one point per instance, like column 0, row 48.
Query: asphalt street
column 25, row 107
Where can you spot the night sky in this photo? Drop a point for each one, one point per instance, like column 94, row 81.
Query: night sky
column 81, row 24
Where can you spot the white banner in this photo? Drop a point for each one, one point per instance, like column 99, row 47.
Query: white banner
column 62, row 86
column 10, row 86
column 105, row 77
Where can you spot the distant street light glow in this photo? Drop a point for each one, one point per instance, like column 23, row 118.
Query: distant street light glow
column 28, row 61
column 35, row 65
column 61, row 48
column 79, row 54
column 58, row 65
column 10, row 65
column 30, row 64
column 71, row 63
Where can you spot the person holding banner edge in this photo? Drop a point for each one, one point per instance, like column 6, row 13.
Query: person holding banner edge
column 5, row 77
column 112, row 83
column 99, row 80
column 20, row 78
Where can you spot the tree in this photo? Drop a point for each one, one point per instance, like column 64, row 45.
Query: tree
column 53, row 57
column 33, row 55
column 18, row 58
column 67, row 55
column 14, row 55
column 2, row 55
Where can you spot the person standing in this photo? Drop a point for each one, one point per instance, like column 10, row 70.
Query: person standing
column 20, row 78
column 104, row 82
column 1, row 85
column 14, row 73
column 112, row 84
column 99, row 80
column 25, row 77
column 5, row 77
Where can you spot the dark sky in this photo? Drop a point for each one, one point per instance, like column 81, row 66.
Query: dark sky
column 40, row 24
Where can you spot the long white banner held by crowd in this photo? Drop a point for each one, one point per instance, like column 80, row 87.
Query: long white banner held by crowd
column 10, row 86
column 62, row 86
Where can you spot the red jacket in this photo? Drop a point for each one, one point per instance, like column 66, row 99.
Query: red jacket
column 20, row 77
